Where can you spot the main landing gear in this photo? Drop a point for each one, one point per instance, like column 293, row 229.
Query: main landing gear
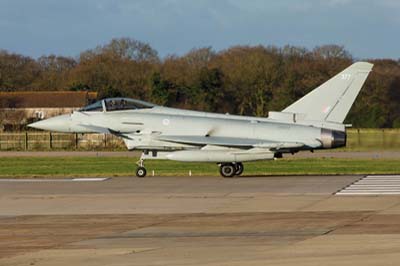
column 231, row 169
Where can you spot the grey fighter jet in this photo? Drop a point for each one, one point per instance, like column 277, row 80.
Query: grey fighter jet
column 313, row 122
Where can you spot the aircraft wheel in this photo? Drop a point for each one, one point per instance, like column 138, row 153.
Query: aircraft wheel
column 141, row 172
column 239, row 168
column 227, row 170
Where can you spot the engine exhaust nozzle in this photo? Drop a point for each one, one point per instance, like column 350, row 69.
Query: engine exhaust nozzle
column 333, row 138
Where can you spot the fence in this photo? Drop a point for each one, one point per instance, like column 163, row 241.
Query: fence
column 373, row 139
column 58, row 141
column 358, row 139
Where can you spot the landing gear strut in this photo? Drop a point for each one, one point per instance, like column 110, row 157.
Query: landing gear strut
column 141, row 171
column 231, row 169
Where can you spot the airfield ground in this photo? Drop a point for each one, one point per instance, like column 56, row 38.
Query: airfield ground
column 291, row 220
column 99, row 164
column 198, row 220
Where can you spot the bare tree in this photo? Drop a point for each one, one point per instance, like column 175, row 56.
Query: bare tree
column 124, row 48
column 331, row 51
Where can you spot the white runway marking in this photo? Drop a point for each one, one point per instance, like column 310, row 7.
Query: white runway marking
column 373, row 185
column 54, row 180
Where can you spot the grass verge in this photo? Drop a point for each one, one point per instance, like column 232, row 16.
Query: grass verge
column 125, row 166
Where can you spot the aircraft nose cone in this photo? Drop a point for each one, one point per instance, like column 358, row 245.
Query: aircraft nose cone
column 59, row 123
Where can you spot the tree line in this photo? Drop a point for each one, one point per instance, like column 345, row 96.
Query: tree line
column 245, row 80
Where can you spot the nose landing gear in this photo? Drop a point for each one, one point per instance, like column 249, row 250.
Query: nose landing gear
column 141, row 170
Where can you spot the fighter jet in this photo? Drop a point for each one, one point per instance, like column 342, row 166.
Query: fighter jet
column 313, row 122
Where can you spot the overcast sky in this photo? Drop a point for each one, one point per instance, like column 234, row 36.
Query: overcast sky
column 367, row 28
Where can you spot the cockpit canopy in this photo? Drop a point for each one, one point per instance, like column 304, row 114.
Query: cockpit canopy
column 117, row 104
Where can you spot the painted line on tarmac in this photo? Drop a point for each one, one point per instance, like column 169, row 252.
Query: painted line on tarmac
column 383, row 176
column 88, row 179
column 54, row 180
column 373, row 185
column 367, row 193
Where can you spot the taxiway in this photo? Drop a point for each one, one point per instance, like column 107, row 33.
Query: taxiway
column 292, row 220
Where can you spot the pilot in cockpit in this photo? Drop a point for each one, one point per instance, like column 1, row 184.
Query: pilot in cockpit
column 123, row 104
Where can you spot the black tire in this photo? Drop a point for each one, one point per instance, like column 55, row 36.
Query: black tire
column 227, row 170
column 239, row 169
column 141, row 172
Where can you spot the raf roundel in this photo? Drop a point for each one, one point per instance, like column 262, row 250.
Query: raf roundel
column 165, row 122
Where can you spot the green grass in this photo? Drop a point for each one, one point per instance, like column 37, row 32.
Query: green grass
column 124, row 166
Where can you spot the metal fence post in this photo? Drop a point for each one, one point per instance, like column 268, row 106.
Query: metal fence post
column 26, row 141
column 383, row 138
column 76, row 141
column 50, row 140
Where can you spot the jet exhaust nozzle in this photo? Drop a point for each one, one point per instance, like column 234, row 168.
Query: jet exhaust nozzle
column 333, row 138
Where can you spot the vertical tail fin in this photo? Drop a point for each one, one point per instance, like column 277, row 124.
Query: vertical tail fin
column 332, row 100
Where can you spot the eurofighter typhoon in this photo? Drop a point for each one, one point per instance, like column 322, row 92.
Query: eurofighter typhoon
column 313, row 122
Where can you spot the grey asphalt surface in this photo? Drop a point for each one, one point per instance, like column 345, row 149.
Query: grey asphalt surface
column 303, row 185
column 291, row 220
